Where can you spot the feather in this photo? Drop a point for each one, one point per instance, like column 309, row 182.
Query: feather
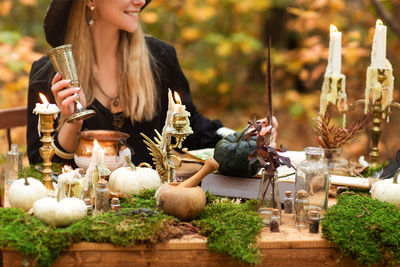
column 389, row 170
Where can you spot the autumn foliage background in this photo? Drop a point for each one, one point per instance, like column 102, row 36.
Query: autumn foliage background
column 221, row 45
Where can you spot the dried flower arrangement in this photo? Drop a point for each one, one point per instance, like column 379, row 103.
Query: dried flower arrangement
column 330, row 136
column 267, row 155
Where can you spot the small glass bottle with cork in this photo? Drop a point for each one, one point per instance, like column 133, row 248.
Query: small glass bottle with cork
column 115, row 205
column 288, row 202
column 301, row 207
column 89, row 206
column 275, row 221
column 102, row 193
column 314, row 221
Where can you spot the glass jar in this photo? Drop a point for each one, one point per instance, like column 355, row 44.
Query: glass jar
column 13, row 164
column 115, row 206
column 89, row 206
column 301, row 208
column 314, row 222
column 102, row 192
column 268, row 195
column 288, row 202
column 336, row 163
column 275, row 221
column 312, row 176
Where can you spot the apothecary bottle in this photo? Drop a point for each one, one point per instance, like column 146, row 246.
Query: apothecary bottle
column 337, row 164
column 288, row 202
column 115, row 205
column 275, row 221
column 314, row 221
column 301, row 208
column 89, row 206
column 312, row 176
column 13, row 164
column 102, row 193
column 268, row 196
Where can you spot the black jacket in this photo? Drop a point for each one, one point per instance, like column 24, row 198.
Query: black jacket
column 170, row 76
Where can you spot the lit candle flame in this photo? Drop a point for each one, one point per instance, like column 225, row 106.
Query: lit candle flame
column 379, row 22
column 333, row 28
column 177, row 98
column 95, row 143
column 44, row 99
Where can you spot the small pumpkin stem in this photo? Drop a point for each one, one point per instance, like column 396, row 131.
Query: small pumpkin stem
column 144, row 164
column 130, row 164
column 395, row 176
column 26, row 177
column 239, row 136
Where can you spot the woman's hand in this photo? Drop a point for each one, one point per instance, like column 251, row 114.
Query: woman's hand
column 272, row 129
column 65, row 97
column 267, row 129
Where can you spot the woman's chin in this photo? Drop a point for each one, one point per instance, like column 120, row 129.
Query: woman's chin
column 130, row 28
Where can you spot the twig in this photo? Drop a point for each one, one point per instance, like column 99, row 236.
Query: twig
column 362, row 214
column 366, row 210
column 359, row 216
column 188, row 227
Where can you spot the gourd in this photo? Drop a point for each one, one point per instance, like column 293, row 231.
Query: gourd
column 387, row 191
column 133, row 180
column 232, row 154
column 185, row 200
column 59, row 213
column 24, row 192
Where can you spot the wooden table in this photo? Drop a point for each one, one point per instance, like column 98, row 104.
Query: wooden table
column 290, row 247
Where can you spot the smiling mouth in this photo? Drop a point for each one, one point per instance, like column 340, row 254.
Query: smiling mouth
column 132, row 14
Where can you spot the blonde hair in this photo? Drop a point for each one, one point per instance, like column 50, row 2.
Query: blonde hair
column 137, row 89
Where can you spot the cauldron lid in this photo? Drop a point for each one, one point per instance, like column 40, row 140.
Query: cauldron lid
column 103, row 135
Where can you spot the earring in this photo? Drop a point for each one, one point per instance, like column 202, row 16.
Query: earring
column 92, row 21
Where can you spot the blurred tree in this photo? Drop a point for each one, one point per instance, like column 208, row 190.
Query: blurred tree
column 221, row 45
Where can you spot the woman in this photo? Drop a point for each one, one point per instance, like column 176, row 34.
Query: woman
column 124, row 77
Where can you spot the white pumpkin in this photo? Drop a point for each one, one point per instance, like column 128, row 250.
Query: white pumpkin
column 387, row 190
column 24, row 192
column 133, row 180
column 59, row 213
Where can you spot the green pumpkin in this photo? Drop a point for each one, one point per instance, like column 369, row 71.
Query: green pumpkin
column 232, row 153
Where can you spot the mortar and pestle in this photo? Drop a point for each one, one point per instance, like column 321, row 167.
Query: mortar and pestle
column 185, row 200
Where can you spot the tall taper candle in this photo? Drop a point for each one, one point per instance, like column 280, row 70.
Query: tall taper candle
column 335, row 51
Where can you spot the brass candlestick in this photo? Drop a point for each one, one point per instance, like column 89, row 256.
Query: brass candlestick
column 47, row 151
column 63, row 62
column 379, row 111
column 176, row 125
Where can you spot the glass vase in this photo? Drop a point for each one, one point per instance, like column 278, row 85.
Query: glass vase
column 268, row 196
column 336, row 163
column 312, row 178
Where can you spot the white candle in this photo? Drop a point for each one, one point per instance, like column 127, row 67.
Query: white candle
column 178, row 106
column 335, row 52
column 378, row 53
column 175, row 107
column 171, row 102
column 97, row 154
column 69, row 177
column 46, row 107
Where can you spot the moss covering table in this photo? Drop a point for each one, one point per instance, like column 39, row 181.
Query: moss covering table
column 290, row 247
